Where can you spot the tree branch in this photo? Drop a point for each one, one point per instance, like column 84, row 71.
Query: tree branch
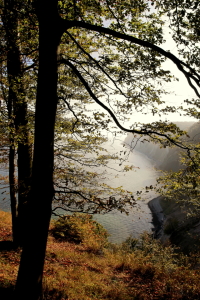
column 69, row 107
column 96, row 62
column 180, row 64
column 144, row 132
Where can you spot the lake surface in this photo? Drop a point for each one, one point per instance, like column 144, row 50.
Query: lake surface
column 4, row 192
column 119, row 225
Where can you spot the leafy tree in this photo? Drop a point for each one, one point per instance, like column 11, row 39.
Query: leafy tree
column 119, row 75
column 183, row 186
column 183, row 19
column 17, row 41
column 81, row 159
column 15, row 97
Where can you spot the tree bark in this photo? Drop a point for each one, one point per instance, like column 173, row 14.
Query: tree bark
column 29, row 281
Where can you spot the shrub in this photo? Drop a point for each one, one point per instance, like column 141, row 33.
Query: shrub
column 130, row 244
column 81, row 228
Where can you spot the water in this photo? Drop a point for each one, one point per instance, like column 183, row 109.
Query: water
column 4, row 192
column 119, row 225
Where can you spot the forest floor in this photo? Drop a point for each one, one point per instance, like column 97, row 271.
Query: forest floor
column 145, row 270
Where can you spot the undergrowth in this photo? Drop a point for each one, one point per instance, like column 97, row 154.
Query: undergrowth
column 79, row 268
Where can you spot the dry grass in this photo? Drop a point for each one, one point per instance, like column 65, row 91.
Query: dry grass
column 5, row 226
column 73, row 272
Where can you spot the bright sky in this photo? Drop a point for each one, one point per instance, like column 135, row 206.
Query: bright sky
column 180, row 90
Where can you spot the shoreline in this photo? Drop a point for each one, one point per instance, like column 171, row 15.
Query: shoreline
column 158, row 216
column 171, row 225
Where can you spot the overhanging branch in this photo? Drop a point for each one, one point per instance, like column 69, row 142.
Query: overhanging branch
column 144, row 132
column 191, row 75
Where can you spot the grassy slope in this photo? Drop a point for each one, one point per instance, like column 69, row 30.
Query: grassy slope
column 76, row 272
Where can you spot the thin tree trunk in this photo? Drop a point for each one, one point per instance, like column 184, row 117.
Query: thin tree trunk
column 29, row 281
column 24, row 173
column 17, row 108
column 13, row 199
column 12, row 183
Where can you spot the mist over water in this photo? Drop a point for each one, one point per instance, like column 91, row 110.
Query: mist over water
column 119, row 225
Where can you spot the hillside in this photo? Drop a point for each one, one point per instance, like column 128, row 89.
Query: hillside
column 166, row 159
column 170, row 219
column 142, row 270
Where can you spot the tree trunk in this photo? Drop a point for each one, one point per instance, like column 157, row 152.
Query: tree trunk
column 13, row 199
column 24, row 172
column 29, row 281
column 17, row 111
